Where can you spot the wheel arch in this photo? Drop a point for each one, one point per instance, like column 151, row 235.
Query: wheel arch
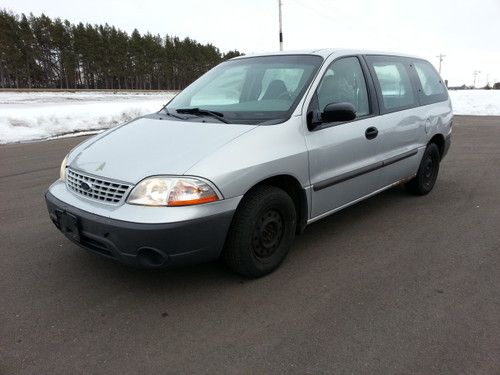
column 294, row 189
column 438, row 140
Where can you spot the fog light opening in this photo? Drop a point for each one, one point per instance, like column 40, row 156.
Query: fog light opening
column 150, row 258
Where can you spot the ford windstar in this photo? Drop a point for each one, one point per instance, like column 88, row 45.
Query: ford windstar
column 252, row 152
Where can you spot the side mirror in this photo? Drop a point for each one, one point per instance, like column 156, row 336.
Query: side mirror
column 338, row 112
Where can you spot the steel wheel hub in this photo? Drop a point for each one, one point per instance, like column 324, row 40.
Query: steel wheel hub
column 267, row 234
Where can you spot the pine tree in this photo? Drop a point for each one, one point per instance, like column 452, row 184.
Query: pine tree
column 44, row 53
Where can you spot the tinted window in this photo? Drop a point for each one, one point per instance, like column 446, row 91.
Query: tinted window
column 344, row 82
column 394, row 82
column 432, row 88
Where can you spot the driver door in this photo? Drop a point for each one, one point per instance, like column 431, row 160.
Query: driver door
column 343, row 157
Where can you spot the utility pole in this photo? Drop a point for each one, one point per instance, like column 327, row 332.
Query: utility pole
column 440, row 56
column 475, row 74
column 281, row 26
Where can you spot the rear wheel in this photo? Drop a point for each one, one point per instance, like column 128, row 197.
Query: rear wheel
column 261, row 233
column 427, row 173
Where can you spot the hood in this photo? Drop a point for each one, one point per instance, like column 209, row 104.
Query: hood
column 152, row 146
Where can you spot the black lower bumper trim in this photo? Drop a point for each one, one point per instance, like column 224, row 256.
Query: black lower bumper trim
column 140, row 244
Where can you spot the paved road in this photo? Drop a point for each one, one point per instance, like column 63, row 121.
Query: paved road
column 395, row 284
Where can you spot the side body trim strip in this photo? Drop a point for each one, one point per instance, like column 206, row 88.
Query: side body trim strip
column 360, row 171
column 321, row 216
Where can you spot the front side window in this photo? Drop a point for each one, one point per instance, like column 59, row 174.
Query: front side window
column 344, row 82
column 394, row 82
column 252, row 90
column 433, row 89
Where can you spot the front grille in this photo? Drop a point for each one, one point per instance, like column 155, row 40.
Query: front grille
column 96, row 188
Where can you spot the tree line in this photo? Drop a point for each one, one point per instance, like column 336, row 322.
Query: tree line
column 38, row 52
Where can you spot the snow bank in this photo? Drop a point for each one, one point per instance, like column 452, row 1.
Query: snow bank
column 476, row 102
column 26, row 116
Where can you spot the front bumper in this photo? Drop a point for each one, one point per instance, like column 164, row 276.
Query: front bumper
column 148, row 245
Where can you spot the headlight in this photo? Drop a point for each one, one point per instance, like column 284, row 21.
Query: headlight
column 62, row 171
column 172, row 191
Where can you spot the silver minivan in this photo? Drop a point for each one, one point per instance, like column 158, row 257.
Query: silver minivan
column 252, row 152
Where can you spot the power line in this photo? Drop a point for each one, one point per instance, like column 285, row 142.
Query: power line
column 313, row 10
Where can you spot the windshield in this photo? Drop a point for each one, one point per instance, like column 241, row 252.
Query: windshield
column 251, row 90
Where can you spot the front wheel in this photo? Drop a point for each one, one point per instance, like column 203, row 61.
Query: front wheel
column 427, row 173
column 261, row 233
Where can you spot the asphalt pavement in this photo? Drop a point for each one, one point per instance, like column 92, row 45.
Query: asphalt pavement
column 396, row 284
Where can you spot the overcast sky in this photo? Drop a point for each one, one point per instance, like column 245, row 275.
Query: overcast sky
column 466, row 31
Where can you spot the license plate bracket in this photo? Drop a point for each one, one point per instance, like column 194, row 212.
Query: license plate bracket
column 69, row 225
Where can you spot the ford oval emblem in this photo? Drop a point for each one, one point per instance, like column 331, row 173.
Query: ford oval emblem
column 85, row 186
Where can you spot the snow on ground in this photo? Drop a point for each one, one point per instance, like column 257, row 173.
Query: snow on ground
column 476, row 102
column 27, row 116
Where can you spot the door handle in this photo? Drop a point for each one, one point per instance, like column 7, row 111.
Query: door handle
column 371, row 132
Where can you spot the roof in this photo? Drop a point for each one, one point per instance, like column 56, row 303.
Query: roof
column 325, row 52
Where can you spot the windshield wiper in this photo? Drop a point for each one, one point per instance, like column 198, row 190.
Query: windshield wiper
column 172, row 115
column 203, row 112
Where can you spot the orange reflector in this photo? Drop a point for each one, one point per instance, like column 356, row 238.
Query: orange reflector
column 211, row 198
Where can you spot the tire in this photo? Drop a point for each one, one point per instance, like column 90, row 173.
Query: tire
column 427, row 173
column 261, row 233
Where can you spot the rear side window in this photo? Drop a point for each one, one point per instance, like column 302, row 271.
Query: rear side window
column 432, row 89
column 394, row 83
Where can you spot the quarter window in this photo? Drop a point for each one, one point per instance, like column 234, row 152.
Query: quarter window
column 432, row 88
column 394, row 82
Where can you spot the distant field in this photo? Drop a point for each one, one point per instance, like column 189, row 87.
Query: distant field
column 476, row 102
column 27, row 115
column 34, row 115
column 85, row 90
